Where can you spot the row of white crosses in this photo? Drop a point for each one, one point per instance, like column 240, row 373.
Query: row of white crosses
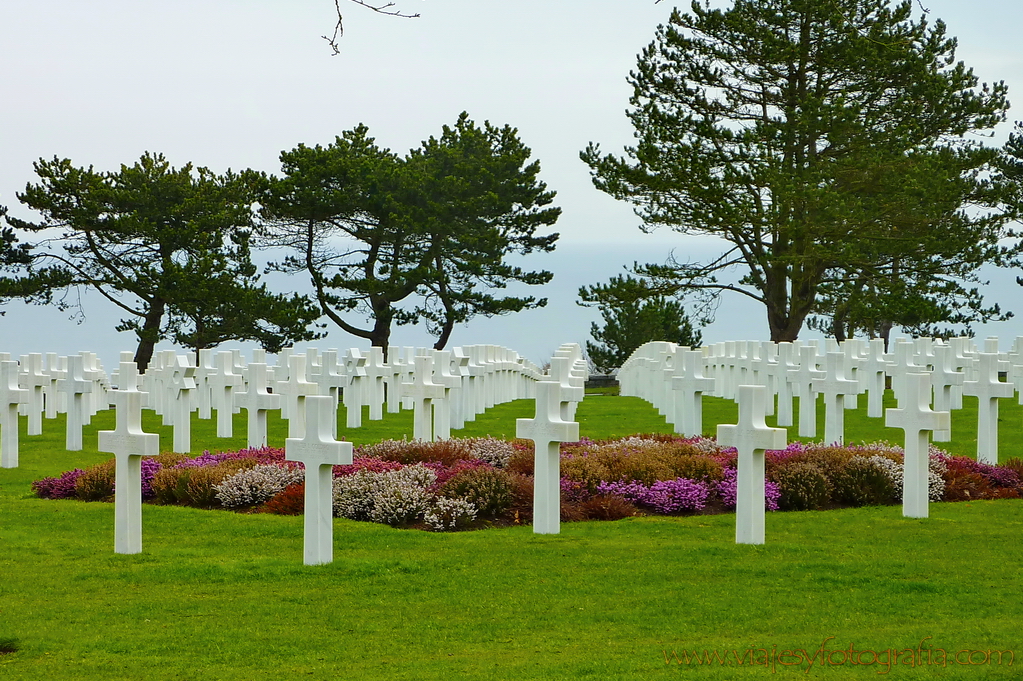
column 674, row 378
column 315, row 448
column 473, row 379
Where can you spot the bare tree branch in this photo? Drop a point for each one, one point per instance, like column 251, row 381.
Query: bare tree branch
column 339, row 29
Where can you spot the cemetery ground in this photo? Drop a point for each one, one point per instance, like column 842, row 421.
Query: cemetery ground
column 223, row 595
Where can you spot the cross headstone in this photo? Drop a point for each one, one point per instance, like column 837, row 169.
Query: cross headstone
column 318, row 452
column 854, row 350
column 987, row 389
column 802, row 379
column 943, row 380
column 257, row 400
column 293, row 394
column 204, row 369
column 835, row 386
column 330, row 380
column 786, row 362
column 423, row 391
column 442, row 407
column 872, row 377
column 182, row 386
column 547, row 430
column 903, row 361
column 11, row 396
column 690, row 388
column 128, row 444
column 51, row 396
column 751, row 437
column 35, row 379
column 377, row 372
column 460, row 394
column 393, row 379
column 74, row 385
column 914, row 416
column 355, row 375
column 223, row 382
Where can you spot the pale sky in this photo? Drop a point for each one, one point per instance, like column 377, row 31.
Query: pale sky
column 231, row 83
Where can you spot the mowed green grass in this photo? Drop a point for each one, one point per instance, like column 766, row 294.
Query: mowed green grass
column 219, row 595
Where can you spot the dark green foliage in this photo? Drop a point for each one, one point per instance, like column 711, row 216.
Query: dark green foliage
column 9, row 644
column 416, row 238
column 633, row 314
column 804, row 486
column 861, row 483
column 169, row 247
column 832, row 145
column 489, row 489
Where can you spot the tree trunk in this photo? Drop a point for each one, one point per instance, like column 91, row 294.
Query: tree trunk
column 149, row 334
column 445, row 333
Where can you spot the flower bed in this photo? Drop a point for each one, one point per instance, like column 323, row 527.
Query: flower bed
column 466, row 483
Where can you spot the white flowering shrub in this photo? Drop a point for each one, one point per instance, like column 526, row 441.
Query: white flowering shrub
column 493, row 451
column 353, row 495
column 449, row 514
column 256, row 485
column 395, row 497
column 894, row 471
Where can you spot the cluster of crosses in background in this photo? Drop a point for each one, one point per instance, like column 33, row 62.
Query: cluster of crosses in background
column 446, row 389
column 443, row 388
column 764, row 376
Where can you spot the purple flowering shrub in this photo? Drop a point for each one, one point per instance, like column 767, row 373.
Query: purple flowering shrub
column 664, row 496
column 59, row 487
column 727, row 489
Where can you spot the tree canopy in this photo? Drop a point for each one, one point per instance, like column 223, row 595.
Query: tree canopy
column 424, row 237
column 633, row 314
column 169, row 247
column 831, row 146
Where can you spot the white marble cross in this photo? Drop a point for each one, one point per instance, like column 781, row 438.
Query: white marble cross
column 835, row 386
column 377, row 372
column 547, row 430
column 11, row 396
column 293, row 394
column 802, row 379
column 393, row 379
column 74, row 385
column 459, row 395
column 914, row 416
column 35, row 379
column 689, row 390
column 355, row 376
column 128, row 444
column 787, row 353
column 751, row 437
column 204, row 369
column 442, row 407
column 855, row 350
column 257, row 401
column 872, row 374
column 571, row 392
column 223, row 382
column 987, row 389
column 182, row 386
column 318, row 452
column 55, row 373
column 903, row 361
column 423, row 391
column 943, row 380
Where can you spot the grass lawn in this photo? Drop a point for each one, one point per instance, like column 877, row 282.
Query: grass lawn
column 220, row 595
